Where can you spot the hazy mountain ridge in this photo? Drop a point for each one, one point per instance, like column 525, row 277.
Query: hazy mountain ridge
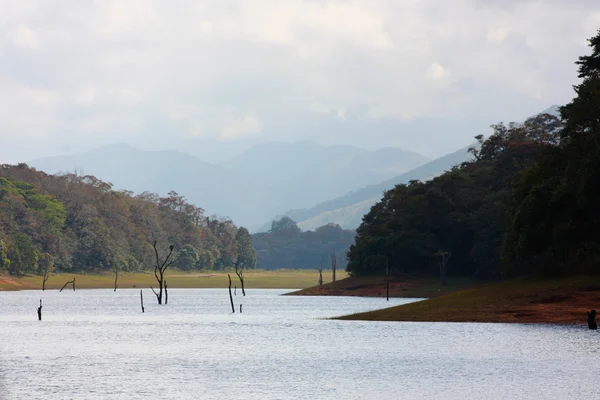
column 347, row 210
column 267, row 179
column 314, row 173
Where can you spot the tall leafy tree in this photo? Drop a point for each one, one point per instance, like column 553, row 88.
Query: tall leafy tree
column 245, row 250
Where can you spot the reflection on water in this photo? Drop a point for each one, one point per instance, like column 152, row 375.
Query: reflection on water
column 96, row 344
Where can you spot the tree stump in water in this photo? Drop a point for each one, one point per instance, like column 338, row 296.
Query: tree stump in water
column 39, row 311
column 592, row 320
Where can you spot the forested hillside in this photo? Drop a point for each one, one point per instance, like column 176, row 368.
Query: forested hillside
column 286, row 246
column 527, row 203
column 79, row 223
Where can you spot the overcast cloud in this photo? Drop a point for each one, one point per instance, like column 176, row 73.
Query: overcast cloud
column 370, row 73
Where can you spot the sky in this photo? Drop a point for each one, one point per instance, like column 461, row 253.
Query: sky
column 422, row 75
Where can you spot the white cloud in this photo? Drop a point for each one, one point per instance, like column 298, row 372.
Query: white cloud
column 122, row 68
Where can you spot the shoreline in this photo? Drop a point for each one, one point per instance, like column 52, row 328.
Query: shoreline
column 376, row 286
column 563, row 302
column 253, row 279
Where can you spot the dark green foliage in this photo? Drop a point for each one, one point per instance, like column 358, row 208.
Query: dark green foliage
column 286, row 246
column 555, row 214
column 187, row 258
column 527, row 204
column 245, row 249
column 79, row 223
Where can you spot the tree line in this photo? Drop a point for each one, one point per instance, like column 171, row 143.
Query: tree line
column 527, row 203
column 78, row 223
column 286, row 246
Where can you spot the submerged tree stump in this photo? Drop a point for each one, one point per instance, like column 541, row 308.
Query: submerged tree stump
column 591, row 320
column 230, row 296
column 39, row 311
column 68, row 283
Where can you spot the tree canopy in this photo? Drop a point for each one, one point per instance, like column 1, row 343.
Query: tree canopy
column 526, row 203
column 286, row 246
column 79, row 223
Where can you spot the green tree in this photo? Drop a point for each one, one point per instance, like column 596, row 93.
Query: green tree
column 4, row 261
column 285, row 226
column 554, row 213
column 245, row 250
column 187, row 258
column 206, row 260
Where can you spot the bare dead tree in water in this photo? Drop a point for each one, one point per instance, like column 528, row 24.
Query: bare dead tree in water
column 166, row 293
column 45, row 278
column 68, row 283
column 159, row 271
column 321, row 271
column 116, row 275
column 46, row 262
column 230, row 296
column 239, row 271
column 333, row 265
column 443, row 257
column 142, row 300
column 387, row 279
column 39, row 311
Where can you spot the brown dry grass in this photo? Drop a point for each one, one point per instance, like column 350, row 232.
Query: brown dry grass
column 562, row 301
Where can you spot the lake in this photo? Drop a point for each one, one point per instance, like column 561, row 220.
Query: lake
column 96, row 344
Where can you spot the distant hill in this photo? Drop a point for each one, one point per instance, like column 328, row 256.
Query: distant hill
column 347, row 210
column 216, row 189
column 267, row 179
column 306, row 173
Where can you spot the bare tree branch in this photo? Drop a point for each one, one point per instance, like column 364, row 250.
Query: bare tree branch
column 65, row 285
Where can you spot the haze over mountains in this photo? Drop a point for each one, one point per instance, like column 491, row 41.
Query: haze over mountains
column 311, row 183
column 251, row 187
column 348, row 210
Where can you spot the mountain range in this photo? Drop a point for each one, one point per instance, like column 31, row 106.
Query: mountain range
column 348, row 210
column 267, row 179
column 311, row 183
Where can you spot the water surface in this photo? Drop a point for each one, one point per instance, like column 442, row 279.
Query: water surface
column 96, row 344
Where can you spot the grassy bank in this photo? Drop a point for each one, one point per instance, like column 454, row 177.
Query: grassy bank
column 278, row 279
column 562, row 301
column 376, row 286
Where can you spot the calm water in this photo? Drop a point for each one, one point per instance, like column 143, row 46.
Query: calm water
column 96, row 344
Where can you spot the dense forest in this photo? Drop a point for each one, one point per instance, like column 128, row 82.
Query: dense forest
column 526, row 204
column 286, row 246
column 79, row 223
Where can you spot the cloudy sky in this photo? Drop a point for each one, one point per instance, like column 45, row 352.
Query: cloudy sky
column 423, row 75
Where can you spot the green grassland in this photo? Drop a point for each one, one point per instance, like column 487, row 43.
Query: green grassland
column 255, row 279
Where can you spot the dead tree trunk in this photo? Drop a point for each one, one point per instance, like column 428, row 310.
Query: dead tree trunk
column 45, row 278
column 230, row 296
column 39, row 311
column 116, row 276
column 142, row 300
column 333, row 265
column 166, row 294
column 387, row 280
column 240, row 308
column 159, row 271
column 65, row 285
column 591, row 320
column 443, row 257
column 321, row 271
column 239, row 271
